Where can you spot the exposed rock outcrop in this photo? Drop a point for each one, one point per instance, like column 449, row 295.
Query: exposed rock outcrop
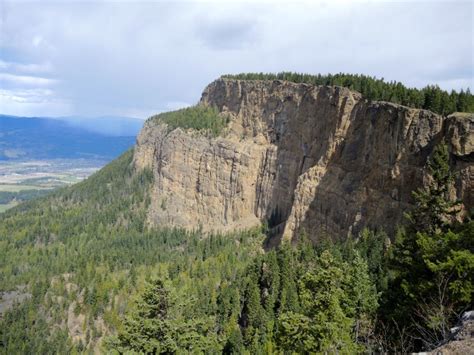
column 462, row 338
column 303, row 158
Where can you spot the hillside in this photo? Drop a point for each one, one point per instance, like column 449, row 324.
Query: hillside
column 266, row 219
column 25, row 138
column 78, row 254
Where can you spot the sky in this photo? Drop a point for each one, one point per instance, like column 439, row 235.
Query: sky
column 138, row 58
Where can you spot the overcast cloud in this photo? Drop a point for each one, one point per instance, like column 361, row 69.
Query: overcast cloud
column 142, row 57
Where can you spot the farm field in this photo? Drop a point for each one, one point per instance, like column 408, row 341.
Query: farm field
column 23, row 180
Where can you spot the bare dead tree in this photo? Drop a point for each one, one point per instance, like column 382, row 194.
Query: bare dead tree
column 433, row 317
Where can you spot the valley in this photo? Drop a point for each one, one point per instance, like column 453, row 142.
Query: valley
column 22, row 180
column 236, row 177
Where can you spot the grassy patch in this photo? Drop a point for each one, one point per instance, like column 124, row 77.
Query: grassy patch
column 4, row 207
column 200, row 118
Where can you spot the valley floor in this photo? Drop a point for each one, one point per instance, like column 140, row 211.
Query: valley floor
column 23, row 180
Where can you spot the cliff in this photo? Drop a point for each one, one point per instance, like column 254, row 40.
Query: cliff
column 301, row 157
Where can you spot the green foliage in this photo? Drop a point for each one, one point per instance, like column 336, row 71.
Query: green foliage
column 433, row 209
column 295, row 333
column 111, row 202
column 153, row 329
column 433, row 261
column 372, row 247
column 200, row 118
column 88, row 245
column 25, row 331
column 23, row 195
column 430, row 98
column 326, row 310
column 86, row 251
column 288, row 300
column 451, row 255
column 324, row 326
column 333, row 308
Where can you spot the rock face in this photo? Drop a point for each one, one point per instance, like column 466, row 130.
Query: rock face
column 462, row 338
column 304, row 158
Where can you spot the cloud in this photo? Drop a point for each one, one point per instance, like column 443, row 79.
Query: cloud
column 101, row 57
column 31, row 96
column 25, row 68
column 32, row 102
column 230, row 33
column 24, row 80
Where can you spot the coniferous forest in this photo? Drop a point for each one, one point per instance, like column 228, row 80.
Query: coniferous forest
column 430, row 97
column 85, row 255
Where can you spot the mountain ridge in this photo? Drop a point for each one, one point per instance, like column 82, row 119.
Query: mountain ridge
column 29, row 138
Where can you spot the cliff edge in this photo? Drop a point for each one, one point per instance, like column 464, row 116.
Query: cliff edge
column 303, row 158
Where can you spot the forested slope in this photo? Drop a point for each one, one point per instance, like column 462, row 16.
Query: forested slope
column 83, row 251
column 92, row 273
column 96, row 278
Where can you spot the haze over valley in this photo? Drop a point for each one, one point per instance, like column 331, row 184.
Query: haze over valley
column 38, row 155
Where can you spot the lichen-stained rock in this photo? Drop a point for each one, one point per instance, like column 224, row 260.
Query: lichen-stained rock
column 317, row 159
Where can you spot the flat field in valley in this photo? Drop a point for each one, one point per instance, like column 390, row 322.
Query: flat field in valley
column 32, row 178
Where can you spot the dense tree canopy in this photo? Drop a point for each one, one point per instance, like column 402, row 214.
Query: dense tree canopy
column 200, row 118
column 95, row 277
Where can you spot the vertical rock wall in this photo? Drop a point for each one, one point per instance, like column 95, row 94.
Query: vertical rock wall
column 301, row 158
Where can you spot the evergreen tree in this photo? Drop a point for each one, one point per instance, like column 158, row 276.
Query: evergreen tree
column 323, row 326
column 288, row 294
column 429, row 98
column 433, row 209
column 433, row 260
column 373, row 248
column 147, row 329
column 361, row 301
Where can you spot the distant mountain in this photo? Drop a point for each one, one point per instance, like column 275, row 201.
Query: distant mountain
column 108, row 125
column 26, row 138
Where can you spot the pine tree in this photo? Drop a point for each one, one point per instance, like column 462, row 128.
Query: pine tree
column 433, row 259
column 361, row 297
column 147, row 329
column 373, row 248
column 322, row 326
column 288, row 300
column 433, row 208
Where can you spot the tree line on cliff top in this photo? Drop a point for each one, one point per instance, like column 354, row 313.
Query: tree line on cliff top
column 430, row 97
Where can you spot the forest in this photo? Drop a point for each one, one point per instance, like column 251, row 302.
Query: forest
column 97, row 279
column 430, row 97
column 23, row 195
